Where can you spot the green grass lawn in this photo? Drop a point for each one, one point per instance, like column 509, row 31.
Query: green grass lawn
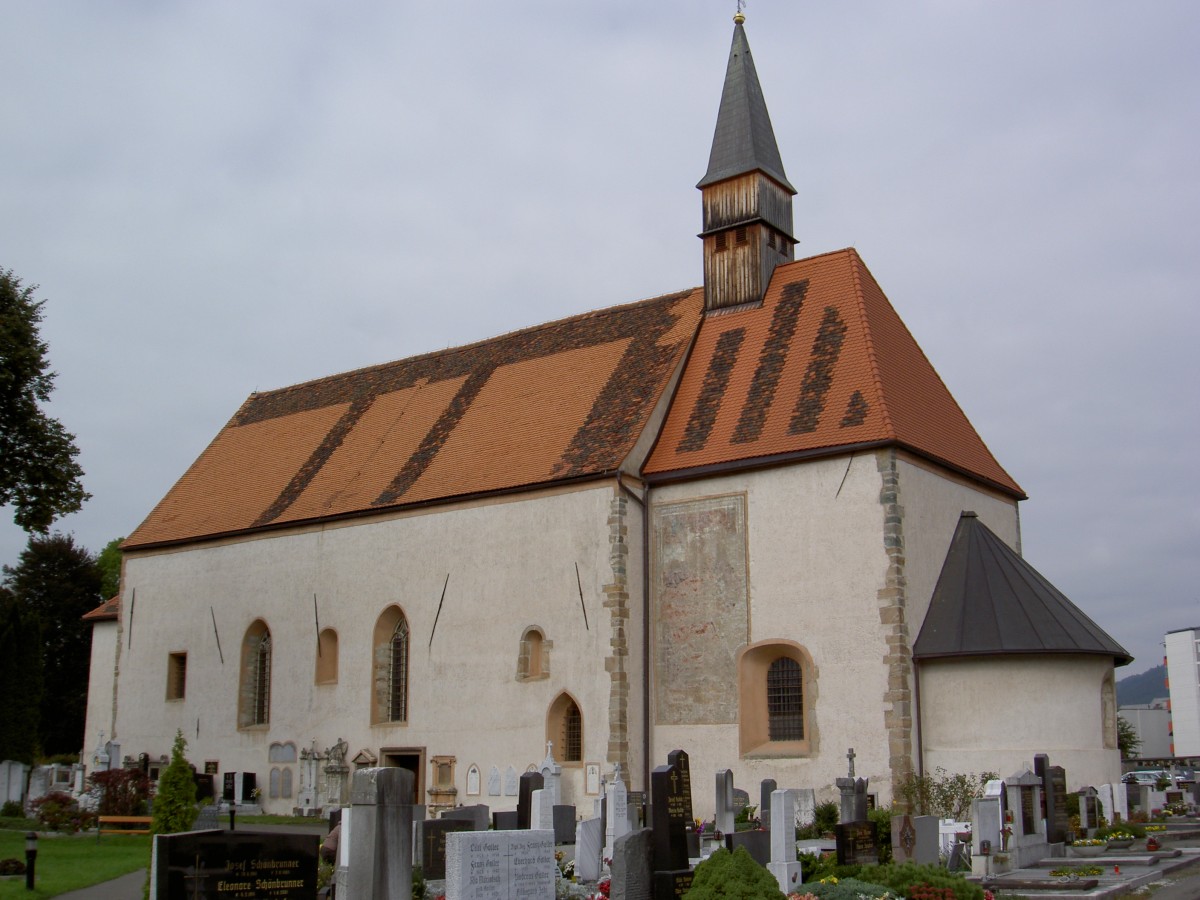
column 70, row 862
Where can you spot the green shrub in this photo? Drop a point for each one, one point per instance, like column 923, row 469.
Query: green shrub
column 12, row 810
column 175, row 806
column 733, row 876
column 882, row 820
column 901, row 878
column 418, row 883
column 942, row 794
column 825, row 819
column 849, row 889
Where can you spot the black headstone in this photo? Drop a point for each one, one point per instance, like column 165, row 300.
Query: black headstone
column 505, row 820
column 530, row 782
column 249, row 782
column 227, row 786
column 478, row 815
column 757, row 844
column 1054, row 798
column 679, row 759
column 231, row 864
column 564, row 823
column 856, row 844
column 431, row 834
column 768, row 786
column 668, row 818
column 672, row 885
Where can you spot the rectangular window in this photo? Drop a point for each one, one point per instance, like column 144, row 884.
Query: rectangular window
column 176, row 676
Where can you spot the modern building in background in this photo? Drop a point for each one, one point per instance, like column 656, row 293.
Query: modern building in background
column 1183, row 680
column 1151, row 723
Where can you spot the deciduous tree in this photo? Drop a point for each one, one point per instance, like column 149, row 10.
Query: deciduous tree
column 39, row 475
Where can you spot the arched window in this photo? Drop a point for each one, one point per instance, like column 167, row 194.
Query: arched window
column 327, row 657
column 254, row 689
column 776, row 700
column 533, row 656
column 1108, row 711
column 564, row 726
column 391, row 667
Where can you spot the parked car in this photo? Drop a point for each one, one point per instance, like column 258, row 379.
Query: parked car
column 1150, row 777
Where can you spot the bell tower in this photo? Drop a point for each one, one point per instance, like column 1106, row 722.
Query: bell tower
column 747, row 198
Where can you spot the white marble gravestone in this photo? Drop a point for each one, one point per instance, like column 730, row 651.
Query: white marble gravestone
column 617, row 824
column 784, row 865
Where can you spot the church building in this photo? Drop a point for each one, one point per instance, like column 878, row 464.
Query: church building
column 746, row 519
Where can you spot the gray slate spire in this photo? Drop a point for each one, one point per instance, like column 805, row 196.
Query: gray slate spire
column 744, row 140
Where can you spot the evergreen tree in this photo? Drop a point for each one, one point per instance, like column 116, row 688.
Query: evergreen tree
column 57, row 583
column 38, row 472
column 21, row 677
column 175, row 801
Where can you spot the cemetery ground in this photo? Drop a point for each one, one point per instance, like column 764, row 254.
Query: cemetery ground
column 67, row 862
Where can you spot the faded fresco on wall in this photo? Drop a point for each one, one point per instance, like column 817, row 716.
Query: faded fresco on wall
column 700, row 586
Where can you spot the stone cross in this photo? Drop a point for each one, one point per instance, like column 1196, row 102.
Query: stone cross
column 850, row 757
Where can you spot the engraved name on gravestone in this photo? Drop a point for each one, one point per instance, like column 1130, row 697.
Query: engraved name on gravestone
column 234, row 864
column 431, row 844
column 679, row 759
column 668, row 819
column 500, row 865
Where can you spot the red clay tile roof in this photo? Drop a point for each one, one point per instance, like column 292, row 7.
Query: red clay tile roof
column 106, row 611
column 565, row 399
column 824, row 363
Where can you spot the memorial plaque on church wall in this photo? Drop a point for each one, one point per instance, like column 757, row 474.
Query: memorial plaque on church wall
column 235, row 864
column 701, row 611
column 856, row 844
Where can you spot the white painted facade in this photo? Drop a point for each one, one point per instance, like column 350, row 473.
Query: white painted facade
column 1183, row 675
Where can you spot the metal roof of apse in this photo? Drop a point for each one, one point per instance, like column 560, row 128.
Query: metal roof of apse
column 744, row 140
column 988, row 600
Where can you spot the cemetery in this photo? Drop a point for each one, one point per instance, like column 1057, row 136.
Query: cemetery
column 958, row 836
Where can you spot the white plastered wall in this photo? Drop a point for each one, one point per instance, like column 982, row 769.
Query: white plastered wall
column 511, row 565
column 101, row 674
column 994, row 714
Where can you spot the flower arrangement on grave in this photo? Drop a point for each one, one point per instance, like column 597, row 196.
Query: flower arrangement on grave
column 1078, row 871
column 1156, row 828
column 1088, row 842
column 1005, row 834
column 1121, row 836
column 603, row 886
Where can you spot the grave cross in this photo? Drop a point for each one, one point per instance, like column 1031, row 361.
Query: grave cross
column 850, row 756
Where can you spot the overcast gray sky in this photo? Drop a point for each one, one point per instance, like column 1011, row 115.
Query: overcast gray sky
column 220, row 197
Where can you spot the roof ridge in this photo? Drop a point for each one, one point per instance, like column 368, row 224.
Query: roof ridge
column 856, row 267
column 464, row 348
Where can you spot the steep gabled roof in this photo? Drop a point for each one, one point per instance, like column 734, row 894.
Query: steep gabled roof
column 744, row 140
column 988, row 601
column 823, row 365
column 563, row 400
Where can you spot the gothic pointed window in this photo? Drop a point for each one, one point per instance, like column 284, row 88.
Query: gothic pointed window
column 564, row 727
column 389, row 702
column 254, row 687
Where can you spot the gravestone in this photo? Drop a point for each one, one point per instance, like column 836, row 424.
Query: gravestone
column 500, row 865
column 856, row 844
column 757, row 844
column 986, row 823
column 741, row 800
column 672, row 885
column 530, row 782
column 589, row 846
column 725, row 813
column 616, row 822
column 806, row 806
column 429, row 844
column 766, row 788
column 381, row 852
column 1054, row 796
column 783, row 863
column 494, row 784
column 541, row 813
column 12, row 781
column 668, row 819
column 478, row 815
column 564, row 823
column 915, row 839
column 1089, row 809
column 505, row 820
column 512, row 784
column 632, row 866
column 551, row 773
column 854, row 794
column 679, row 759
column 234, row 864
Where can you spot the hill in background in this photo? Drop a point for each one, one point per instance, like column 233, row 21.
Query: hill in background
column 1143, row 688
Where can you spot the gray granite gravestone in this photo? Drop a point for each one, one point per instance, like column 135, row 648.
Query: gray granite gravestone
column 757, row 844
column 806, row 806
column 766, row 788
column 724, row 806
column 915, row 839
column 381, row 853
column 632, row 866
column 564, row 823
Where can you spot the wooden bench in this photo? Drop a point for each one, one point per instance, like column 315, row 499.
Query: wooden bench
column 123, row 825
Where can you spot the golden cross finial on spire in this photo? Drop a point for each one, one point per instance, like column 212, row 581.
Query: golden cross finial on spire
column 740, row 17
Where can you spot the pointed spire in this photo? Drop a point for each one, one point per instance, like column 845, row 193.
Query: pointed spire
column 744, row 140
